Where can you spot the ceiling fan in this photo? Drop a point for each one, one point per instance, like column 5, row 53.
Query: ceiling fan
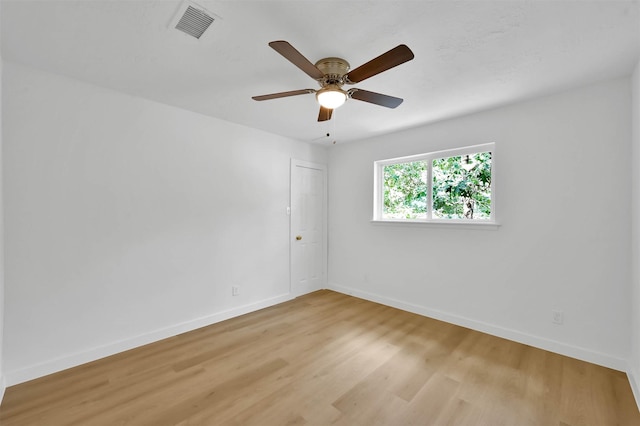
column 333, row 73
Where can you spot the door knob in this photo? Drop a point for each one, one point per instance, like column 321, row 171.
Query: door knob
column 298, row 237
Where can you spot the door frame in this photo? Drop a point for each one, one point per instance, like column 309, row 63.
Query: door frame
column 317, row 166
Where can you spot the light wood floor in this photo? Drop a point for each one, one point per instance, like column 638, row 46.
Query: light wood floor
column 323, row 359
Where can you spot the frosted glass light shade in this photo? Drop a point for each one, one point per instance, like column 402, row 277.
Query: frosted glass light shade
column 331, row 96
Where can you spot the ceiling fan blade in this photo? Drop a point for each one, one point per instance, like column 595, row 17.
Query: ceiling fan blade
column 296, row 58
column 325, row 114
column 375, row 98
column 282, row 94
column 394, row 57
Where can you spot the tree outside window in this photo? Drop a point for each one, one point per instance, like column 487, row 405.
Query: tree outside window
column 462, row 187
column 405, row 190
column 436, row 186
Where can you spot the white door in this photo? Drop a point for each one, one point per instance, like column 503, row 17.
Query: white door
column 308, row 227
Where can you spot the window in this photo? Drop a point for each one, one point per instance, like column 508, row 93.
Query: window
column 445, row 186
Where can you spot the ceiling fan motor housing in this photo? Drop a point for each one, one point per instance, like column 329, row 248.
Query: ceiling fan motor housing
column 333, row 69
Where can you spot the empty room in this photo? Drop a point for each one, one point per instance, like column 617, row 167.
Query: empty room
column 320, row 212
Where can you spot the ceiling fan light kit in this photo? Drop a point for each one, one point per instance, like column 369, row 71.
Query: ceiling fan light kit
column 331, row 96
column 333, row 73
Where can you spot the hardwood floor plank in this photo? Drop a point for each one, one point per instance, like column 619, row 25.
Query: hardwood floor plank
column 457, row 412
column 543, row 385
column 327, row 359
column 431, row 401
column 208, row 398
column 324, row 373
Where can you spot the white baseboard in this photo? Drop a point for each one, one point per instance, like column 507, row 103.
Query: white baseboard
column 572, row 351
column 72, row 360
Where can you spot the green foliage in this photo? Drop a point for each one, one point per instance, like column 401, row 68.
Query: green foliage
column 458, row 192
column 405, row 190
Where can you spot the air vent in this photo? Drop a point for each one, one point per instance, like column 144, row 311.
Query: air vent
column 193, row 19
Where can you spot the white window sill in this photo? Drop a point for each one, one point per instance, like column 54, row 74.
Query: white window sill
column 455, row 224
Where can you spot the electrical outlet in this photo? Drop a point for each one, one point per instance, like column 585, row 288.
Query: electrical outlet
column 235, row 290
column 558, row 317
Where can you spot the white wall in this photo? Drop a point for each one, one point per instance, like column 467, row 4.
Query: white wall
column 2, row 377
column 129, row 220
column 562, row 193
column 634, row 365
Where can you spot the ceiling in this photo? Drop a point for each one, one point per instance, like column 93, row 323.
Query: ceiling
column 469, row 55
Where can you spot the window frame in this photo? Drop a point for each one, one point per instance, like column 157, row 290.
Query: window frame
column 378, row 187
